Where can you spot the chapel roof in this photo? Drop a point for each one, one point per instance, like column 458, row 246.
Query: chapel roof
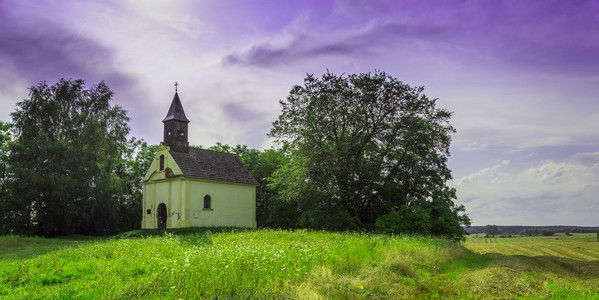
column 212, row 165
column 175, row 112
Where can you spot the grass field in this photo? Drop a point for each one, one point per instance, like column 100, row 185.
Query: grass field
column 273, row 264
column 580, row 246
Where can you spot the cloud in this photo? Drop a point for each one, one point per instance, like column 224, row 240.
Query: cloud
column 533, row 34
column 34, row 49
column 468, row 179
column 300, row 48
column 589, row 159
column 577, row 172
column 550, row 193
column 371, row 39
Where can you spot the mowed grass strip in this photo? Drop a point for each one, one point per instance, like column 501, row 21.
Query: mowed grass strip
column 581, row 247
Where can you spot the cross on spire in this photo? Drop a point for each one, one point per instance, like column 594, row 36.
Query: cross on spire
column 176, row 84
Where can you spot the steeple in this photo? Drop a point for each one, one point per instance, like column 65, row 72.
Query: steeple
column 175, row 127
column 176, row 112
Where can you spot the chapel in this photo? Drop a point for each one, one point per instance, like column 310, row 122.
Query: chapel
column 192, row 187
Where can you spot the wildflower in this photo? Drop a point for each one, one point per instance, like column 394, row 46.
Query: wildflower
column 361, row 286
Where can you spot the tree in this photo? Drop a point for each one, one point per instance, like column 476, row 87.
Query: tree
column 6, row 134
column 492, row 230
column 362, row 147
column 132, row 167
column 69, row 141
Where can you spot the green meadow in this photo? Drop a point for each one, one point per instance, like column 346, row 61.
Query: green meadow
column 278, row 264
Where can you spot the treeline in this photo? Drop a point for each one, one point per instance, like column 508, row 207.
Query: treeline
column 356, row 152
column 533, row 230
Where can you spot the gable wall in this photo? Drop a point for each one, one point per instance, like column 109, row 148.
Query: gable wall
column 154, row 173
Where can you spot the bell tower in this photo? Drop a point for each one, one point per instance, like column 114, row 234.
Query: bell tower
column 175, row 126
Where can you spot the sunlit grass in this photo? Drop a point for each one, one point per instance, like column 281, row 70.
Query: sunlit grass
column 273, row 264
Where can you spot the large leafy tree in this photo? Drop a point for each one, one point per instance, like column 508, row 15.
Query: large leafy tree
column 69, row 141
column 363, row 147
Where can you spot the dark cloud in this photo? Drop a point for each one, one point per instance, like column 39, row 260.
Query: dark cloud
column 371, row 41
column 37, row 50
column 554, row 36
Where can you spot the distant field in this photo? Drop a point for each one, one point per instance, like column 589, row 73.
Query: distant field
column 580, row 246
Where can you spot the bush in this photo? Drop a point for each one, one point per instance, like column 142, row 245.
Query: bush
column 338, row 221
column 406, row 220
column 547, row 232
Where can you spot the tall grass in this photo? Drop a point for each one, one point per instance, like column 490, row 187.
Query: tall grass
column 269, row 264
column 17, row 247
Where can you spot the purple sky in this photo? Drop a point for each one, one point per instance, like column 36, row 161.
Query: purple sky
column 522, row 78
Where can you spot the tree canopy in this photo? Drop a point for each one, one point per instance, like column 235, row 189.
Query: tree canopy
column 69, row 141
column 362, row 147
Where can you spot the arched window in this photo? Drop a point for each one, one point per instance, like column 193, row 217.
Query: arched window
column 161, row 162
column 207, row 202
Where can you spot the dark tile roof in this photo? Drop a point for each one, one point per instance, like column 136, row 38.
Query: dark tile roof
column 212, row 165
column 175, row 112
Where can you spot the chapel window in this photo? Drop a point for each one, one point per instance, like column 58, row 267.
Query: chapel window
column 161, row 162
column 207, row 202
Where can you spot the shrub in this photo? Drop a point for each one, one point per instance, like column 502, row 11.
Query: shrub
column 547, row 232
column 405, row 220
column 338, row 221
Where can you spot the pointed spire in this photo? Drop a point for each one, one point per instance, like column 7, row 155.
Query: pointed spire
column 175, row 112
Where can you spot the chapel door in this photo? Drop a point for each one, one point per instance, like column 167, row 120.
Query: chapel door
column 161, row 215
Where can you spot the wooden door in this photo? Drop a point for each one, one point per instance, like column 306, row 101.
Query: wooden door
column 161, row 215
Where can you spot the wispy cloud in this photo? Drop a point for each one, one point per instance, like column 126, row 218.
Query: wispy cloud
column 486, row 171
